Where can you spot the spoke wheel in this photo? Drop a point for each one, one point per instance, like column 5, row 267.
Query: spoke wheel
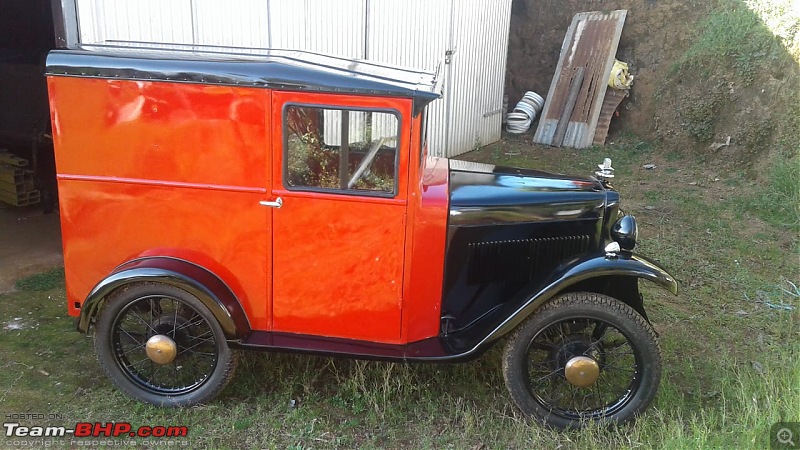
column 583, row 357
column 161, row 345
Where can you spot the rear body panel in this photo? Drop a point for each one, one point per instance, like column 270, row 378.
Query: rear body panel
column 150, row 167
column 169, row 167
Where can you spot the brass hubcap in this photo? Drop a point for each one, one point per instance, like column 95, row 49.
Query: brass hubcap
column 582, row 371
column 161, row 349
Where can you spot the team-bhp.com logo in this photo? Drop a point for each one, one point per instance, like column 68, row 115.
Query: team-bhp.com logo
column 94, row 429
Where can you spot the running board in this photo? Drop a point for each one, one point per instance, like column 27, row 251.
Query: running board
column 431, row 349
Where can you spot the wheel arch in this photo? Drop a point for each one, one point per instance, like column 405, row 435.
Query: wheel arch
column 611, row 276
column 622, row 287
column 195, row 279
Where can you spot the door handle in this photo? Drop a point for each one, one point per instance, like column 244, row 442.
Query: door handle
column 276, row 204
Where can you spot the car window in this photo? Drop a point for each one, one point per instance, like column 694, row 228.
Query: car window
column 348, row 150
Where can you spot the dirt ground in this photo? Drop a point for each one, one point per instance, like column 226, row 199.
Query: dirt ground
column 30, row 242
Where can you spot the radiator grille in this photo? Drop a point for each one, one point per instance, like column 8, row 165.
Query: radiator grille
column 520, row 260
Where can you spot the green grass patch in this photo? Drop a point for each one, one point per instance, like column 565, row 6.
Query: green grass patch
column 700, row 115
column 778, row 202
column 44, row 281
column 736, row 36
column 741, row 51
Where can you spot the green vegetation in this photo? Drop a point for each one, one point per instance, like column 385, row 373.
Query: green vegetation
column 747, row 36
column 779, row 202
column 700, row 116
column 740, row 76
column 44, row 281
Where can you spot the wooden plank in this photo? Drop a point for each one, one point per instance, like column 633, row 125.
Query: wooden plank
column 16, row 189
column 23, row 199
column 12, row 176
column 8, row 158
column 11, row 185
column 591, row 42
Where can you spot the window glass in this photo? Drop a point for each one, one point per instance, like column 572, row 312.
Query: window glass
column 338, row 149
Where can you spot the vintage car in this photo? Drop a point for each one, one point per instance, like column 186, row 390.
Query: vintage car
column 222, row 199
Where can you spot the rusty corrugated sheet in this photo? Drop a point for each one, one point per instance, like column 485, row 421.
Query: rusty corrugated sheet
column 591, row 42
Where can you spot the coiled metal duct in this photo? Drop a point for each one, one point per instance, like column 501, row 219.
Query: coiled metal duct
column 520, row 120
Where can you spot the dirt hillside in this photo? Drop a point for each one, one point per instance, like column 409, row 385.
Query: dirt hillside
column 704, row 71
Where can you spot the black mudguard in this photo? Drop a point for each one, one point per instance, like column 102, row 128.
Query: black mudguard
column 573, row 276
column 196, row 280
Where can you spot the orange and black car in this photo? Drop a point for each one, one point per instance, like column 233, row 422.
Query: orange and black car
column 259, row 199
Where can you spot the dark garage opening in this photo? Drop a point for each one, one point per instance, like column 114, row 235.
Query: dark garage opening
column 30, row 238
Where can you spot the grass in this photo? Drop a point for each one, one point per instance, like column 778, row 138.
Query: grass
column 745, row 36
column 779, row 202
column 731, row 359
column 742, row 51
column 44, row 281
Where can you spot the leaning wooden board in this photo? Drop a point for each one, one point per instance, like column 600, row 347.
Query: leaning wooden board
column 591, row 42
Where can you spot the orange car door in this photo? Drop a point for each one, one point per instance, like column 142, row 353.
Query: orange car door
column 339, row 199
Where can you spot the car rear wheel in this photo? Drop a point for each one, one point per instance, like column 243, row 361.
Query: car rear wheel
column 583, row 357
column 161, row 345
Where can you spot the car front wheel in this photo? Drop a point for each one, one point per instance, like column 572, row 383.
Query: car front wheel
column 583, row 357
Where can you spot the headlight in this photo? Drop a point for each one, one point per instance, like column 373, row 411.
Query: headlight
column 624, row 232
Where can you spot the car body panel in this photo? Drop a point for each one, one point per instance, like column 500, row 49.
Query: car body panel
column 516, row 309
column 176, row 169
column 338, row 259
column 145, row 166
column 509, row 228
column 425, row 247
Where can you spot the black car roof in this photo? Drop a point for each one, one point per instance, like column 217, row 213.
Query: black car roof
column 269, row 68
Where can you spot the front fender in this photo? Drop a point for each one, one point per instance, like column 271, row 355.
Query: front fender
column 625, row 264
column 196, row 280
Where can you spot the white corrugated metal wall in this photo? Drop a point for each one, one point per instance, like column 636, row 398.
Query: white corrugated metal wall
column 415, row 33
column 471, row 35
column 476, row 85
column 243, row 23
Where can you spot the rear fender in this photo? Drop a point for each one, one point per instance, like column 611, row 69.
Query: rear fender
column 196, row 280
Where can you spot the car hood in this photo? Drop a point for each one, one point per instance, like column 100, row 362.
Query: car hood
column 482, row 194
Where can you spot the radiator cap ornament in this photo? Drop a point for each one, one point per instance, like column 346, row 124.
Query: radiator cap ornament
column 606, row 172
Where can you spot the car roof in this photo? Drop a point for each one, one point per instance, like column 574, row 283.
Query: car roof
column 268, row 68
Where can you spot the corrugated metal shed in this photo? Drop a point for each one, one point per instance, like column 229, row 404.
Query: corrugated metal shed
column 469, row 37
column 476, row 86
column 415, row 35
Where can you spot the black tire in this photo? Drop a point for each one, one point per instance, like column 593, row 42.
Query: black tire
column 204, row 363
column 572, row 326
